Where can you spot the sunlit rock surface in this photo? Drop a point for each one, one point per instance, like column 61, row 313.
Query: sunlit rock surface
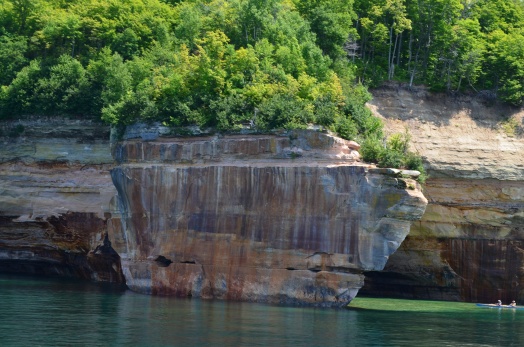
column 469, row 245
column 55, row 190
column 290, row 218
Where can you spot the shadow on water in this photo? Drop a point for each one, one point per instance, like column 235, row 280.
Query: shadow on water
column 36, row 311
column 21, row 281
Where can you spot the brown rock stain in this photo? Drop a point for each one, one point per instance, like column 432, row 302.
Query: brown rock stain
column 239, row 222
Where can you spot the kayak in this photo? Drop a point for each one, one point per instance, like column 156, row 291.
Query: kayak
column 501, row 306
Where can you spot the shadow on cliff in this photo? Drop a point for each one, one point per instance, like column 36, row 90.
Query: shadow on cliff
column 59, row 246
column 395, row 100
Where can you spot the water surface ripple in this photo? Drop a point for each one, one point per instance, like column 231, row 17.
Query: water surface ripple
column 50, row 312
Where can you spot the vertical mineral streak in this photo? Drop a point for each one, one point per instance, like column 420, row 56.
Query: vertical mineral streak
column 291, row 219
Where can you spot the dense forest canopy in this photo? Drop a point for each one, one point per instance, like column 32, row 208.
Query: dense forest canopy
column 270, row 63
column 279, row 63
column 449, row 45
column 211, row 63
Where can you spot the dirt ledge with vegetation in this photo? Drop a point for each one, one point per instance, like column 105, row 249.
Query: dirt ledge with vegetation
column 463, row 136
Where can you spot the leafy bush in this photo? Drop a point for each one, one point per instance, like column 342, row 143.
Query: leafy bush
column 511, row 127
column 399, row 142
column 231, row 112
column 393, row 153
column 283, row 111
column 19, row 97
column 13, row 49
column 60, row 91
column 371, row 149
column 346, row 128
column 412, row 161
column 390, row 158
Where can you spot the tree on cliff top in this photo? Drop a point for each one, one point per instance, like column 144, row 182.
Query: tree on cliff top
column 274, row 64
column 214, row 62
column 211, row 63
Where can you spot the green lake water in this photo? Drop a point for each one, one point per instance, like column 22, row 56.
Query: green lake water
column 50, row 312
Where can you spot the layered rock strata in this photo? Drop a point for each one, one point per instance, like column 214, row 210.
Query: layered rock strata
column 291, row 218
column 469, row 245
column 55, row 189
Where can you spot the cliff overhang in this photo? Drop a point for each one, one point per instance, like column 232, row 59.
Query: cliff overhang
column 290, row 218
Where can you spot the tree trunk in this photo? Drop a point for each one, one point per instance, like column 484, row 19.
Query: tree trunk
column 399, row 49
column 392, row 65
column 390, row 58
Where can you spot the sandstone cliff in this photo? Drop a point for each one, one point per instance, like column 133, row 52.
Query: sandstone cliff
column 290, row 218
column 55, row 190
column 469, row 245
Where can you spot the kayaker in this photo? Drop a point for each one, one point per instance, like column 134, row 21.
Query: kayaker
column 499, row 303
column 513, row 303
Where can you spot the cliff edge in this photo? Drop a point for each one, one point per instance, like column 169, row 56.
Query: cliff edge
column 291, row 218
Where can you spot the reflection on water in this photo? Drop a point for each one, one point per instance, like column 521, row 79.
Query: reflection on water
column 43, row 312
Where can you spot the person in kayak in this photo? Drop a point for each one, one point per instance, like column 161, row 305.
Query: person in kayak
column 513, row 303
column 499, row 303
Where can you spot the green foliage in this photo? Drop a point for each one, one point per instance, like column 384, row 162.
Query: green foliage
column 264, row 48
column 282, row 111
column 390, row 158
column 331, row 21
column 371, row 149
column 511, row 127
column 448, row 45
column 231, row 112
column 12, row 57
column 399, row 142
column 60, row 91
column 507, row 57
column 413, row 161
column 393, row 153
column 19, row 96
column 347, row 129
column 268, row 63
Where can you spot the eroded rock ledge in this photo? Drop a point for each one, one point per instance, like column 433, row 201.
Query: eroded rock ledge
column 288, row 218
column 55, row 190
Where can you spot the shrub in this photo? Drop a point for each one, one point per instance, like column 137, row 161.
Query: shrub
column 511, row 127
column 390, row 158
column 346, row 128
column 283, row 111
column 399, row 142
column 392, row 153
column 371, row 149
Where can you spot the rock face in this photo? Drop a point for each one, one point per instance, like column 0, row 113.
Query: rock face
column 469, row 245
column 287, row 218
column 55, row 190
